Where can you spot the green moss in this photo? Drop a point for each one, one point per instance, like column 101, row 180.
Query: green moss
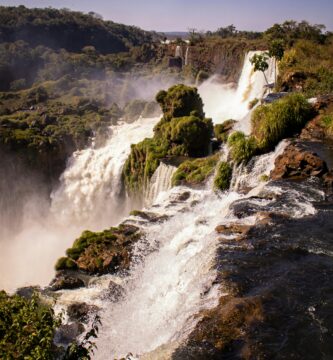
column 65, row 263
column 274, row 122
column 253, row 103
column 264, row 178
column 327, row 121
column 242, row 148
column 193, row 172
column 223, row 176
column 183, row 131
column 221, row 131
column 180, row 100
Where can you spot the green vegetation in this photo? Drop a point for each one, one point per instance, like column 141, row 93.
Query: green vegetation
column 194, row 172
column 327, row 121
column 253, row 103
column 182, row 131
column 223, row 176
column 259, row 62
column 242, row 148
column 222, row 131
column 274, row 122
column 27, row 328
column 307, row 67
column 101, row 252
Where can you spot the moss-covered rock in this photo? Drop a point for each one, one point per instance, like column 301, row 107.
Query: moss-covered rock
column 180, row 100
column 182, row 131
column 242, row 147
column 194, row 172
column 223, row 176
column 222, row 131
column 101, row 252
column 283, row 118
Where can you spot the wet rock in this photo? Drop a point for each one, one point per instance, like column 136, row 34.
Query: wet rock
column 68, row 332
column 183, row 196
column 239, row 230
column 64, row 281
column 296, row 162
column 28, row 291
column 328, row 180
column 80, row 311
column 149, row 216
column 314, row 130
column 115, row 292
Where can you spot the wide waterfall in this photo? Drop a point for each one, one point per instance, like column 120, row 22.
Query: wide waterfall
column 91, row 185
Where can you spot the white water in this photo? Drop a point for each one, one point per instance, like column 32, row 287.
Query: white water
column 179, row 51
column 167, row 288
column 159, row 182
column 187, row 54
column 91, row 185
column 225, row 101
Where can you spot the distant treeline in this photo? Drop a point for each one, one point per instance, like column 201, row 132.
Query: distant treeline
column 70, row 30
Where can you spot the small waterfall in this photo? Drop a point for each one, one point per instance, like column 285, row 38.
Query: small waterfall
column 224, row 101
column 187, row 54
column 179, row 51
column 160, row 182
column 91, row 185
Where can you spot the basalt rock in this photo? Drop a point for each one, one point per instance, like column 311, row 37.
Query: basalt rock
column 64, row 281
column 80, row 311
column 237, row 230
column 296, row 162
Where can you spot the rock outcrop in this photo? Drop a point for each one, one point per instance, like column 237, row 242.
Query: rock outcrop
column 296, row 162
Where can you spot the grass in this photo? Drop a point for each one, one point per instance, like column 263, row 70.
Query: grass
column 223, row 176
column 242, row 148
column 194, row 172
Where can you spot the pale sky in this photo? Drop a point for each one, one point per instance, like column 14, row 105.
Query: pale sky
column 179, row 15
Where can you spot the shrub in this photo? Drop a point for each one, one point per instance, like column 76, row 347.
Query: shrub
column 274, row 122
column 65, row 263
column 193, row 172
column 223, row 176
column 26, row 328
column 221, row 131
column 180, row 100
column 242, row 148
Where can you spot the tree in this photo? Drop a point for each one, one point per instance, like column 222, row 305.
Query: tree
column 276, row 50
column 259, row 61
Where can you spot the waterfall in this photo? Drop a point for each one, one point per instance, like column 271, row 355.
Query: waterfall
column 224, row 101
column 172, row 275
column 159, row 182
column 187, row 54
column 179, row 51
column 91, row 185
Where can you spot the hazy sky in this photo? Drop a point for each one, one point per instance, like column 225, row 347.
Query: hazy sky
column 171, row 15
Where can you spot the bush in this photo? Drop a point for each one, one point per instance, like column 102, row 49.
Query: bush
column 26, row 328
column 221, row 131
column 223, row 176
column 193, row 172
column 242, row 148
column 274, row 122
column 180, row 100
column 65, row 263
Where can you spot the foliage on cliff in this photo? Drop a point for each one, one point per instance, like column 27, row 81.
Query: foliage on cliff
column 26, row 328
column 223, row 176
column 307, row 67
column 182, row 131
column 283, row 118
column 195, row 171
column 101, row 252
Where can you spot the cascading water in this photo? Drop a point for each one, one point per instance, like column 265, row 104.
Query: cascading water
column 173, row 280
column 91, row 185
column 159, row 182
column 179, row 51
column 224, row 101
column 187, row 55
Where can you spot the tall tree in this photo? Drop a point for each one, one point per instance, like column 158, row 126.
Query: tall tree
column 259, row 61
column 276, row 50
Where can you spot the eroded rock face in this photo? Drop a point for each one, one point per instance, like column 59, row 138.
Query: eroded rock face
column 296, row 162
column 66, row 281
